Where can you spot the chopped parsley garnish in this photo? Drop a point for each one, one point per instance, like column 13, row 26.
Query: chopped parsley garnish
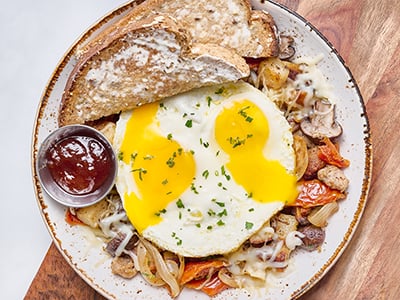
column 169, row 136
column 205, row 174
column 179, row 204
column 251, row 209
column 220, row 204
column 244, row 114
column 220, row 223
column 198, row 225
column 193, row 188
column 121, row 155
column 178, row 240
column 148, row 157
column 249, row 225
column 171, row 161
column 133, row 156
column 223, row 172
column 189, row 123
column 219, row 91
column 140, row 171
column 209, row 99
column 164, row 182
column 209, row 227
column 211, row 213
column 162, row 211
column 222, row 213
column 235, row 142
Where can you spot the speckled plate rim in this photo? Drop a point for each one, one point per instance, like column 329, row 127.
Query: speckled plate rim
column 108, row 19
column 367, row 169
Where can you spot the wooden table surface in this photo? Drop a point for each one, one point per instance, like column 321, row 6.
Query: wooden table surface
column 366, row 33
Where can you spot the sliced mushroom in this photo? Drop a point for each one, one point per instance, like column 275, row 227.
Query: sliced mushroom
column 322, row 122
column 286, row 49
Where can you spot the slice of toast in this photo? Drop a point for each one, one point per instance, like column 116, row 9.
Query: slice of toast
column 232, row 24
column 149, row 60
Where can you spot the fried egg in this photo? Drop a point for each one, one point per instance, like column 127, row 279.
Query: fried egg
column 201, row 172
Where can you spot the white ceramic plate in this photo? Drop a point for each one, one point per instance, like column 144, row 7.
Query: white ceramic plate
column 84, row 253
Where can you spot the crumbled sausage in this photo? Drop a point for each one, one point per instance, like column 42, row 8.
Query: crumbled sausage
column 284, row 224
column 314, row 164
column 313, row 237
column 333, row 177
column 123, row 266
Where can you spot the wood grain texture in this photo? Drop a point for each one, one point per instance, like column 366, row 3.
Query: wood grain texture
column 366, row 34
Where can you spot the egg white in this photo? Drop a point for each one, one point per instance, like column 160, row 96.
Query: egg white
column 215, row 215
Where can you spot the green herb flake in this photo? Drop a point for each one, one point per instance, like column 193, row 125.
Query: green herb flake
column 211, row 213
column 205, row 174
column 223, row 172
column 164, row 182
column 189, row 123
column 140, row 171
column 220, row 223
column 170, row 162
column 148, row 157
column 133, row 156
column 162, row 211
column 220, row 204
column 121, row 155
column 209, row 100
column 249, row 119
column 219, row 91
column 193, row 188
column 169, row 136
column 249, row 225
column 198, row 225
column 251, row 209
column 209, row 227
column 222, row 213
column 179, row 204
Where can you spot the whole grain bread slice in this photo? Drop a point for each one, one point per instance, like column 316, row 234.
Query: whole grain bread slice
column 232, row 24
column 149, row 60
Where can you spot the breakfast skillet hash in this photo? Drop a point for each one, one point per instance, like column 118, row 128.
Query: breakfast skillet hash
column 186, row 179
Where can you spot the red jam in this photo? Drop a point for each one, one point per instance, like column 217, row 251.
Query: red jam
column 79, row 164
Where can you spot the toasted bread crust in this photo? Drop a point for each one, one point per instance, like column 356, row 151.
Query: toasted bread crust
column 232, row 24
column 146, row 61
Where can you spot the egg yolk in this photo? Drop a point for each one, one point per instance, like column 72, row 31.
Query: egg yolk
column 242, row 131
column 161, row 169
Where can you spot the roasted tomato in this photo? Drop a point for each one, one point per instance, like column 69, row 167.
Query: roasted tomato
column 315, row 193
column 330, row 154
